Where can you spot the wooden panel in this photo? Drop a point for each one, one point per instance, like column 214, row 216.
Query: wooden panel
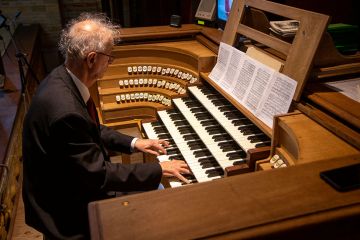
column 336, row 103
column 298, row 139
column 240, row 207
column 141, row 33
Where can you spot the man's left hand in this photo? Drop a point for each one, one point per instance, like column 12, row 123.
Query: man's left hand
column 152, row 146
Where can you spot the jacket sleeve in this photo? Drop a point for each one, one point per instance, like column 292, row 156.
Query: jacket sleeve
column 83, row 158
column 115, row 141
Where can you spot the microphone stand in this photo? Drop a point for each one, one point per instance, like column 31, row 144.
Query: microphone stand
column 21, row 59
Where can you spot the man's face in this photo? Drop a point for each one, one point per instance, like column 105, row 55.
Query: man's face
column 101, row 63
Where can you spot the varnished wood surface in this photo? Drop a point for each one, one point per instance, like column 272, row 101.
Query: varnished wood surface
column 142, row 33
column 259, row 204
column 336, row 103
column 299, row 140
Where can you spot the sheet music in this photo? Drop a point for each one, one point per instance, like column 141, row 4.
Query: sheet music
column 218, row 71
column 350, row 88
column 260, row 89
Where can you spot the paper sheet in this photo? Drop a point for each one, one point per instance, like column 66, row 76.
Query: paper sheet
column 350, row 88
column 260, row 89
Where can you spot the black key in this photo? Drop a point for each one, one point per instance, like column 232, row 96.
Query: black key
column 164, row 136
column 197, row 147
column 198, row 110
column 229, row 148
column 228, row 143
column 173, row 151
column 235, row 155
column 210, row 128
column 250, row 132
column 214, row 172
column 216, row 97
column 171, row 111
column 203, row 116
column 223, row 137
column 190, row 137
column 185, row 130
column 193, row 104
column 171, row 142
column 227, row 108
column 209, row 123
column 176, row 157
column 201, row 153
column 218, row 103
column 239, row 122
column 207, row 91
column 196, row 143
column 232, row 115
column 181, row 123
column 263, row 144
column 215, row 131
column 209, row 165
column 155, row 124
column 176, row 117
column 187, row 99
column 206, row 160
column 258, row 138
column 159, row 130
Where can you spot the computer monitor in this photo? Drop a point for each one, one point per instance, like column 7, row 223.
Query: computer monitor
column 223, row 11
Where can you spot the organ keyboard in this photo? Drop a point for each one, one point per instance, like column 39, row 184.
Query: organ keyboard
column 210, row 134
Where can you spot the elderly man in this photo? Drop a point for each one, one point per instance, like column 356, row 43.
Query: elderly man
column 65, row 149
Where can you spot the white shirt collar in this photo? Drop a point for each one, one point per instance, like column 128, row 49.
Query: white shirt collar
column 84, row 91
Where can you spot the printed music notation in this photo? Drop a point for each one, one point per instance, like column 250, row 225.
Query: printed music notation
column 260, row 89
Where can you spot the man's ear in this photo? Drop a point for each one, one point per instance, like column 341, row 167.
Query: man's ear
column 91, row 59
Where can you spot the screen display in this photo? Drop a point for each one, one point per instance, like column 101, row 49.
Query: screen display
column 223, row 9
column 344, row 178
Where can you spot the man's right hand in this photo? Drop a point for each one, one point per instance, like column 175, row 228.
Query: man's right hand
column 175, row 168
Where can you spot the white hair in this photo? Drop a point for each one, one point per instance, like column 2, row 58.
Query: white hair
column 78, row 39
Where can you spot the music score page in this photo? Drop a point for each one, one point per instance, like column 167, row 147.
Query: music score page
column 260, row 89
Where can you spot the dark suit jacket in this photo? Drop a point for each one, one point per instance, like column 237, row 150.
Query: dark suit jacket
column 66, row 164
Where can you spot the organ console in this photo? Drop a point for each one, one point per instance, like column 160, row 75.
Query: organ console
column 160, row 82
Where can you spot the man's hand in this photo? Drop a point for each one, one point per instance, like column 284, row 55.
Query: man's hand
column 152, row 146
column 175, row 168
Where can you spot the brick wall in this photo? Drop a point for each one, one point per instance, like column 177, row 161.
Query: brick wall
column 51, row 15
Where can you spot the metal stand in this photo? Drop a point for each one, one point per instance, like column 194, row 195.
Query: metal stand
column 22, row 61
